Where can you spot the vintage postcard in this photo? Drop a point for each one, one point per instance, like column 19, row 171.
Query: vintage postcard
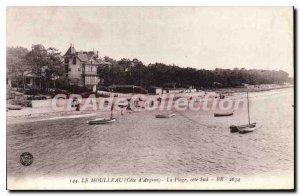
column 150, row 98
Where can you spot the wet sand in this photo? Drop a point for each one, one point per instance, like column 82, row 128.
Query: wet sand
column 138, row 143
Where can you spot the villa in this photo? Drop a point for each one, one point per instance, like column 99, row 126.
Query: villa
column 81, row 67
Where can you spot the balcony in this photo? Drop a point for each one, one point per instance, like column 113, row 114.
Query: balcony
column 90, row 73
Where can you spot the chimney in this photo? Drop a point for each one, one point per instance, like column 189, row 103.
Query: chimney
column 72, row 48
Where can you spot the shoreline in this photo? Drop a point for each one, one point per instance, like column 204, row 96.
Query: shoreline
column 27, row 114
column 241, row 90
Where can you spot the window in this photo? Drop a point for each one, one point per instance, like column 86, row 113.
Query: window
column 66, row 68
column 74, row 60
column 83, row 67
column 27, row 81
column 67, row 60
column 69, row 69
column 79, row 69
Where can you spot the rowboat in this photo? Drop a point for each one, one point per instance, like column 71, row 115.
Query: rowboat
column 223, row 114
column 235, row 128
column 248, row 128
column 165, row 115
column 14, row 107
column 101, row 121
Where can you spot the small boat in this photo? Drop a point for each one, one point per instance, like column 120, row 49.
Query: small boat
column 249, row 128
column 101, row 121
column 235, row 128
column 223, row 114
column 14, row 107
column 165, row 115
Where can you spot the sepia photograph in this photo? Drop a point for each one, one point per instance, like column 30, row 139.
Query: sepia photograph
column 150, row 98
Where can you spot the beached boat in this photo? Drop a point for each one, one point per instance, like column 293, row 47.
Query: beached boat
column 14, row 107
column 235, row 128
column 165, row 115
column 101, row 121
column 223, row 114
column 247, row 129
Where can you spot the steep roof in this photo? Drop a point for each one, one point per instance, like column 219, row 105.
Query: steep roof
column 70, row 51
column 85, row 56
column 82, row 56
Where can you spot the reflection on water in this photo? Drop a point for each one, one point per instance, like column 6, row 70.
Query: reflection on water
column 138, row 143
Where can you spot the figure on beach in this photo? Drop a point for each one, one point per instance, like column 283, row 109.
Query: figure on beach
column 75, row 103
column 111, row 111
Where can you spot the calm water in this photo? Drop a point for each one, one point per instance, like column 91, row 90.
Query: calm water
column 138, row 143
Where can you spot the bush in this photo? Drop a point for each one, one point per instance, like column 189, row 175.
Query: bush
column 62, row 83
column 32, row 92
column 37, row 97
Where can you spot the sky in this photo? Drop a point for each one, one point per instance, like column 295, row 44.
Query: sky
column 198, row 37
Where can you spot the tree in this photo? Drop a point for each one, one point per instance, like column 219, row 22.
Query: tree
column 38, row 58
column 46, row 63
column 17, row 64
column 54, row 67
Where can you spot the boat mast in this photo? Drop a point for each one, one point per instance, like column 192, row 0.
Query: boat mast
column 248, row 108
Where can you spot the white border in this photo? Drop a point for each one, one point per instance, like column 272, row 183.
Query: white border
column 107, row 3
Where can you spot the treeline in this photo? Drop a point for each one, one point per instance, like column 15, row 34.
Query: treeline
column 134, row 72
column 46, row 64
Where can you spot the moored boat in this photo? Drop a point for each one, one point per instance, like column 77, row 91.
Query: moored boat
column 235, row 128
column 13, row 107
column 247, row 129
column 223, row 114
column 165, row 115
column 101, row 121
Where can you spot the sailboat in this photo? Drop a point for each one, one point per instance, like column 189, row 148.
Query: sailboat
column 250, row 127
column 103, row 120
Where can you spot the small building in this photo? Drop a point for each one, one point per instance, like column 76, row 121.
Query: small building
column 127, row 89
column 27, row 80
column 248, row 86
column 155, row 90
column 31, row 80
column 173, row 91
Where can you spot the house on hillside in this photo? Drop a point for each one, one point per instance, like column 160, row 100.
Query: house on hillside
column 81, row 67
